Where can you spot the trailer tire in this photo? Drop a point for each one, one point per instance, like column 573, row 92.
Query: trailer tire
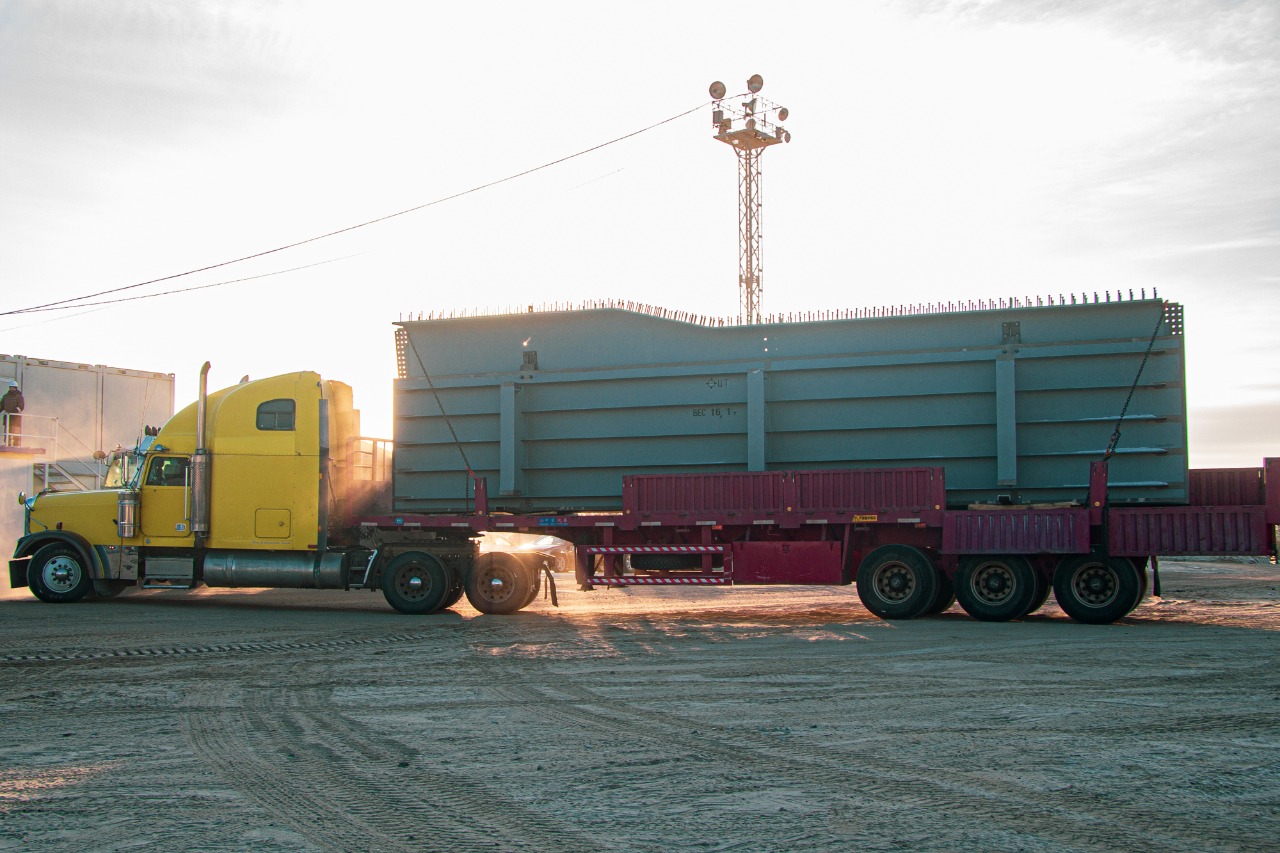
column 1096, row 590
column 1043, row 588
column 416, row 583
column 897, row 582
column 1142, row 586
column 944, row 597
column 498, row 584
column 59, row 574
column 996, row 589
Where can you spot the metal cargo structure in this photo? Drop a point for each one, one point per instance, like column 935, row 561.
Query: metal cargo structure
column 553, row 408
column 74, row 409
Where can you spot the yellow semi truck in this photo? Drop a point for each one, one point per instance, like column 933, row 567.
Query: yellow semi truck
column 259, row 485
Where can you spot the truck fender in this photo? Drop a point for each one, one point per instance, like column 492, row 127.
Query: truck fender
column 33, row 542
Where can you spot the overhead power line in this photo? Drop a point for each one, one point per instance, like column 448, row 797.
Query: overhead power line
column 61, row 307
column 68, row 303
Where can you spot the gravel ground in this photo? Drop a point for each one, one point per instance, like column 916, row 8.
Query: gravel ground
column 769, row 719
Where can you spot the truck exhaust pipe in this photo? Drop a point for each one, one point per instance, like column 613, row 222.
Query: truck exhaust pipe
column 200, row 464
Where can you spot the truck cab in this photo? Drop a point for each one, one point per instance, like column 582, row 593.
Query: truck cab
column 249, row 476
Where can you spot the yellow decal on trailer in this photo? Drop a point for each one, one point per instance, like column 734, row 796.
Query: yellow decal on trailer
column 858, row 518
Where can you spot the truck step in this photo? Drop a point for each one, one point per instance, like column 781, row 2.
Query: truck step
column 162, row 583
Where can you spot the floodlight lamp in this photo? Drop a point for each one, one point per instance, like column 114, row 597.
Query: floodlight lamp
column 755, row 83
column 717, row 90
column 783, row 113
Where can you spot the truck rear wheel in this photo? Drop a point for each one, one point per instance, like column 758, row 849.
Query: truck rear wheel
column 58, row 573
column 415, row 582
column 455, row 592
column 496, row 583
column 1096, row 590
column 996, row 589
column 897, row 582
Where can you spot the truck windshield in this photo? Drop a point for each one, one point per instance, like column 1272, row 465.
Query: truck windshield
column 123, row 470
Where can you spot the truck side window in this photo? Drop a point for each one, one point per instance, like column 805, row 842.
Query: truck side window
column 167, row 471
column 276, row 415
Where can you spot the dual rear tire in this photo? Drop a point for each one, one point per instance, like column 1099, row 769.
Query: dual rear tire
column 1098, row 590
column 416, row 582
column 499, row 584
column 999, row 588
column 902, row 582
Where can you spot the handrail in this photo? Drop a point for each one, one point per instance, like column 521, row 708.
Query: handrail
column 46, row 432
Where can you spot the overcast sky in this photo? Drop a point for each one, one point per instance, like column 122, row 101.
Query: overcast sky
column 941, row 151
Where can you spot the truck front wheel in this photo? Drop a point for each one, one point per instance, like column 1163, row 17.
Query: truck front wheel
column 58, row 573
column 416, row 583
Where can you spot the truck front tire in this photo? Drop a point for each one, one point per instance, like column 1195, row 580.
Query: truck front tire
column 58, row 573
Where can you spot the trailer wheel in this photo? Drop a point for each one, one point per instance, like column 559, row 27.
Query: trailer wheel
column 1043, row 588
column 496, row 583
column 897, row 582
column 1096, row 590
column 416, row 583
column 57, row 573
column 944, row 597
column 1142, row 586
column 996, row 589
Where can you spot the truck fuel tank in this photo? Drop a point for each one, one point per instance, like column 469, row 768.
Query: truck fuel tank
column 276, row 569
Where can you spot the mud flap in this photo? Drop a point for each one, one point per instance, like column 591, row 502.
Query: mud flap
column 18, row 573
column 550, row 587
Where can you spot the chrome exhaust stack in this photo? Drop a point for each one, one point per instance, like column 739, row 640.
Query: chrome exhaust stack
column 200, row 464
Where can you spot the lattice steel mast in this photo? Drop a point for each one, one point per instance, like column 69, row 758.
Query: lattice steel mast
column 750, row 128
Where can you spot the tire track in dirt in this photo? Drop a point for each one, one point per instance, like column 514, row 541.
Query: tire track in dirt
column 890, row 786
column 223, row 740
column 480, row 812
column 219, row 648
column 343, row 788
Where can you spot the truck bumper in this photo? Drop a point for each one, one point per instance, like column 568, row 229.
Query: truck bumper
column 18, row 573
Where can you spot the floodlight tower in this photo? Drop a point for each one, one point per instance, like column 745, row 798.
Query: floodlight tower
column 750, row 127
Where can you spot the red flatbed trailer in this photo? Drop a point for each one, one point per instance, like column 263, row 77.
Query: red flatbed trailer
column 890, row 531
